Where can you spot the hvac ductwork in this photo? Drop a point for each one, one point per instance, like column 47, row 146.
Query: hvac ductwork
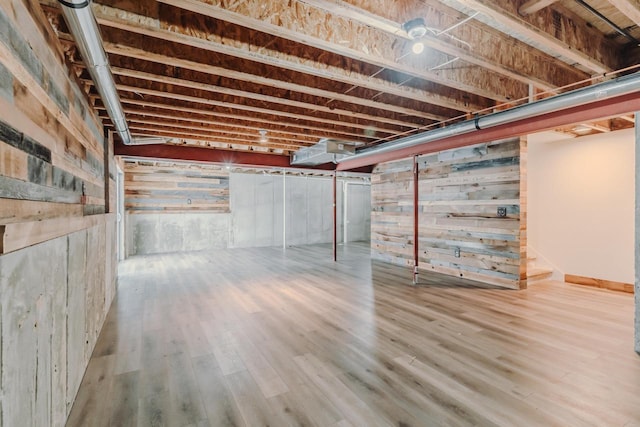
column 84, row 28
column 613, row 88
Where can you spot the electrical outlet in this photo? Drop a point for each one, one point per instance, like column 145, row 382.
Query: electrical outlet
column 502, row 212
column 456, row 252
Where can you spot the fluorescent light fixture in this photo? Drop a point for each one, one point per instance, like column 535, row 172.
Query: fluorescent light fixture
column 263, row 135
column 581, row 129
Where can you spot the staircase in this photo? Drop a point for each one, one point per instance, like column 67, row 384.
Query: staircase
column 535, row 272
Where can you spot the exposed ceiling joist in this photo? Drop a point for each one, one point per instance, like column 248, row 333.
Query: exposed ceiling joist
column 183, row 132
column 132, row 52
column 230, row 133
column 474, row 42
column 181, row 111
column 134, row 115
column 221, row 74
column 303, row 23
column 631, row 8
column 188, row 98
column 139, row 76
column 554, row 33
column 532, row 6
column 111, row 17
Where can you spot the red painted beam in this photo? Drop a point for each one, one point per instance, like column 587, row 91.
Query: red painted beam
column 615, row 106
column 200, row 154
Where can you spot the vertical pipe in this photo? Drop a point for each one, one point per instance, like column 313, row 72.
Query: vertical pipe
column 335, row 216
column 415, row 220
column 284, row 208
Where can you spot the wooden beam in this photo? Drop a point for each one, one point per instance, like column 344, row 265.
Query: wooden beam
column 532, row 6
column 303, row 23
column 141, row 117
column 629, row 8
column 172, row 82
column 207, row 136
column 155, row 28
column 554, row 33
column 473, row 42
column 133, row 52
column 241, row 120
column 18, row 235
column 597, row 127
column 188, row 98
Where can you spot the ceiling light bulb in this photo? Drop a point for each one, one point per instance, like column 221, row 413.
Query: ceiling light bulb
column 417, row 48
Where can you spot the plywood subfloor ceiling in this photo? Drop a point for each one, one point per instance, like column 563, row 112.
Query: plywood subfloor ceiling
column 272, row 76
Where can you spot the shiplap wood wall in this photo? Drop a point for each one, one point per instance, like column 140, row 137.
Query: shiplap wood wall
column 57, row 241
column 156, row 187
column 459, row 194
column 392, row 212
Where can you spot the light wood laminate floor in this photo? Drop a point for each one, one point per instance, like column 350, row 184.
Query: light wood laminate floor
column 256, row 337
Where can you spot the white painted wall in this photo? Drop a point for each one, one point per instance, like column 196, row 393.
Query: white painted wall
column 581, row 203
column 258, row 214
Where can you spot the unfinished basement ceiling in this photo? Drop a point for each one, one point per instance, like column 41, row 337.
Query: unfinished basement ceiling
column 273, row 76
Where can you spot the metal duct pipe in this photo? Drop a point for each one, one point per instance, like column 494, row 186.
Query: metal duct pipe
column 82, row 24
column 620, row 86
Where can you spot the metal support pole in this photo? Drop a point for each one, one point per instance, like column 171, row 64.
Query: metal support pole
column 335, row 216
column 415, row 220
column 284, row 208
column 345, row 213
column 108, row 142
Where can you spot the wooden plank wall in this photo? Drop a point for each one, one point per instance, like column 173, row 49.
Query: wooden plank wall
column 58, row 280
column 158, row 187
column 51, row 143
column 392, row 212
column 459, row 195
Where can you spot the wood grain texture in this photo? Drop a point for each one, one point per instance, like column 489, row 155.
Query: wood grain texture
column 254, row 337
column 156, row 187
column 51, row 148
column 611, row 285
column 19, row 235
column 460, row 192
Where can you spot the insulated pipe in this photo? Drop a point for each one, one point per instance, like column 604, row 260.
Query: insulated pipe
column 84, row 28
column 620, row 86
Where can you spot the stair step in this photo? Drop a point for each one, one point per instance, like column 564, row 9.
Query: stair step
column 538, row 273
